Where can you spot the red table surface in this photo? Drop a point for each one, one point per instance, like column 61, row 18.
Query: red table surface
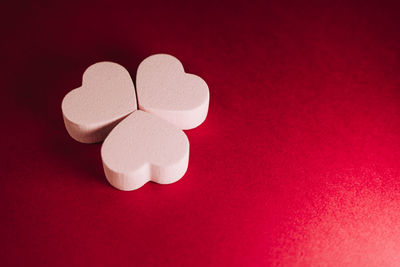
column 298, row 162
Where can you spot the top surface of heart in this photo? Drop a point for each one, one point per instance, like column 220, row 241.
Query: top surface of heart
column 94, row 103
column 164, row 89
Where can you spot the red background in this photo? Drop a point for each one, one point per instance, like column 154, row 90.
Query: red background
column 298, row 161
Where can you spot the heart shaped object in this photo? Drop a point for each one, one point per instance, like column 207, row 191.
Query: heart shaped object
column 107, row 95
column 143, row 148
column 164, row 89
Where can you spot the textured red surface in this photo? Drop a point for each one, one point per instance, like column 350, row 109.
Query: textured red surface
column 298, row 161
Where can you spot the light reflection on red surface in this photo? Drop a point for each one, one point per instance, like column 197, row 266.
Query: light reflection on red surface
column 351, row 224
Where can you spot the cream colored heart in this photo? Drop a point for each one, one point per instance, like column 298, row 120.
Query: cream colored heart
column 143, row 148
column 164, row 89
column 107, row 95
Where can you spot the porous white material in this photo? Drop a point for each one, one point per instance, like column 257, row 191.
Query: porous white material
column 143, row 148
column 139, row 145
column 165, row 90
column 106, row 96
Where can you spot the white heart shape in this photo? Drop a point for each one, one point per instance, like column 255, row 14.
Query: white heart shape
column 143, row 148
column 164, row 89
column 106, row 96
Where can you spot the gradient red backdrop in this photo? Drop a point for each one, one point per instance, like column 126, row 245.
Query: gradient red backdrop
column 298, row 162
